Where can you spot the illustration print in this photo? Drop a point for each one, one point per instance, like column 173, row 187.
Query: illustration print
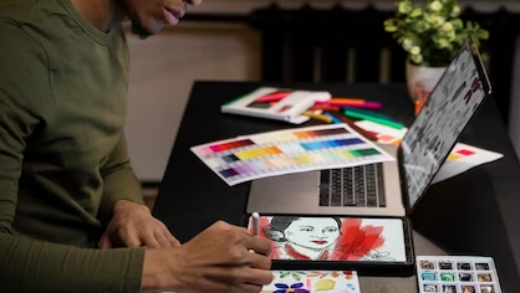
column 313, row 282
column 333, row 238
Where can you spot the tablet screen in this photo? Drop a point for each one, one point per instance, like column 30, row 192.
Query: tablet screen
column 296, row 238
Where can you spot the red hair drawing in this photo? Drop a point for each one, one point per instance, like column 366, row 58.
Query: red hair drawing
column 322, row 238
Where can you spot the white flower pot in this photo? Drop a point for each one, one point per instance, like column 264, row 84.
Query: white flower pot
column 422, row 80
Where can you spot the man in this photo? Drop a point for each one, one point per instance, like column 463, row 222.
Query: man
column 71, row 213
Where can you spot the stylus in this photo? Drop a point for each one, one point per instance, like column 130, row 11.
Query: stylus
column 256, row 225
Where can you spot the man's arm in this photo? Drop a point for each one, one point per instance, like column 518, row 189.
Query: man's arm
column 28, row 265
column 120, row 182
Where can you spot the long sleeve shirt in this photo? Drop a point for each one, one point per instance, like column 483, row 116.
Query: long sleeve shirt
column 63, row 157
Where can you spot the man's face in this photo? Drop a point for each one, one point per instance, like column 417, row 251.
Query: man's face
column 151, row 16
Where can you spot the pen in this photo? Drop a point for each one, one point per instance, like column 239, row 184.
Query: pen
column 318, row 116
column 371, row 113
column 365, row 105
column 333, row 119
column 373, row 119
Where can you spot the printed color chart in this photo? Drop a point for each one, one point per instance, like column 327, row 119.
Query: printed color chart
column 289, row 151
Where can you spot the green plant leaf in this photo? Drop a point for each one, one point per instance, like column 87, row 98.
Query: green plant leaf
column 435, row 27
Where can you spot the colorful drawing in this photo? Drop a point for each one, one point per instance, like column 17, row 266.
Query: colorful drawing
column 296, row 288
column 333, row 238
column 289, row 151
column 313, row 282
column 296, row 275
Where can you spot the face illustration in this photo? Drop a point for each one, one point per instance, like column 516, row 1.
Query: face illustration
column 151, row 16
column 315, row 233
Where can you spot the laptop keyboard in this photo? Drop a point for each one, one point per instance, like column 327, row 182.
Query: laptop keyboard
column 361, row 186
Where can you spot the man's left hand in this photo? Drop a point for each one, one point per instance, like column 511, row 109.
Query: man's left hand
column 132, row 225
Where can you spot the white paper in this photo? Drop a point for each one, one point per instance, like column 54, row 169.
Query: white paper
column 451, row 167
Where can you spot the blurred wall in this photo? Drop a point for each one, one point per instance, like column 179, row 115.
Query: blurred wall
column 164, row 68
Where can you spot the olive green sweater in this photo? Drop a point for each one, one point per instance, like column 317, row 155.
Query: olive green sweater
column 63, row 159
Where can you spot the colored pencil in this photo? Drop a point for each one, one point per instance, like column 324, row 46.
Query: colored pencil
column 358, row 129
column 348, row 100
column 318, row 116
column 373, row 119
column 371, row 113
column 365, row 105
column 333, row 119
column 326, row 108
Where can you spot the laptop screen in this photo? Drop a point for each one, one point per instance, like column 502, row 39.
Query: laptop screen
column 441, row 121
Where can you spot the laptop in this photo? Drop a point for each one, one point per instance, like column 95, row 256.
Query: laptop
column 389, row 189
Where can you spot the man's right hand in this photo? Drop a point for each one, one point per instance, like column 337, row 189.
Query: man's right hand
column 217, row 260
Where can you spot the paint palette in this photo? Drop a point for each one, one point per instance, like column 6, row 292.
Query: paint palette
column 450, row 274
column 313, row 282
column 289, row 151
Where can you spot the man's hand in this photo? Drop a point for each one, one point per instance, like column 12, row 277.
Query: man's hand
column 132, row 225
column 219, row 260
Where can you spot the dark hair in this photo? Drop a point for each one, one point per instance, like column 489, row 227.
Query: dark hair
column 275, row 230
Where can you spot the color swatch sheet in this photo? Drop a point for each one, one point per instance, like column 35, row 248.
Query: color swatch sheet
column 462, row 158
column 450, row 274
column 289, row 151
column 313, row 282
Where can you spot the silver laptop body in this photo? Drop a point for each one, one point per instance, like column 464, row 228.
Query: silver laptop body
column 358, row 191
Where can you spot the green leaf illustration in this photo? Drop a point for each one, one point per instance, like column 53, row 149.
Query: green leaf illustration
column 296, row 277
column 284, row 274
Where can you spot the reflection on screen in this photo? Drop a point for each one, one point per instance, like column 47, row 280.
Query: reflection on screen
column 443, row 118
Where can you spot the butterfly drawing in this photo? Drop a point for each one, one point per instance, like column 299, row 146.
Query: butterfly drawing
column 294, row 288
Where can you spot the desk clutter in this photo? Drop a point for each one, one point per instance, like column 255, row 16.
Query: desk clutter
column 290, row 105
column 336, row 199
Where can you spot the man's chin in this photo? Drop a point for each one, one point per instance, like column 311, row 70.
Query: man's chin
column 141, row 31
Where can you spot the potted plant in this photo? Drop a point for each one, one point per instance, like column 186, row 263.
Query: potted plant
column 432, row 35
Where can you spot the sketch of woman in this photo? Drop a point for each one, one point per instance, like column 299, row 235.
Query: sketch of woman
column 303, row 238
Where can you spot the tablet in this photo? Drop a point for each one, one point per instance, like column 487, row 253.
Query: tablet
column 336, row 242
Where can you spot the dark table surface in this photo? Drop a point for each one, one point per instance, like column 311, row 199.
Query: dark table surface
column 475, row 213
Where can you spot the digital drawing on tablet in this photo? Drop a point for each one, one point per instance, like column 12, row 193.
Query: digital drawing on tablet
column 333, row 238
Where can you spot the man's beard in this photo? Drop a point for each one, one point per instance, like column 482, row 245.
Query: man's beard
column 139, row 29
